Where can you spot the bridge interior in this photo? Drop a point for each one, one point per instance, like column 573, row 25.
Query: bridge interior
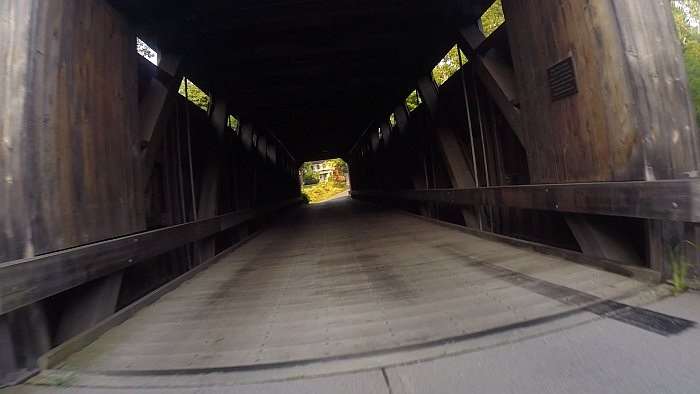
column 347, row 279
column 552, row 178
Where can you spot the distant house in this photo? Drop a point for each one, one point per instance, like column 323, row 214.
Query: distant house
column 323, row 168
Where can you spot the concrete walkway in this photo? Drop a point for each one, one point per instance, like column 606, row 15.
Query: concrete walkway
column 345, row 297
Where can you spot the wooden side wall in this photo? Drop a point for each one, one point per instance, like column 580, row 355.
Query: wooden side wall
column 68, row 72
column 632, row 119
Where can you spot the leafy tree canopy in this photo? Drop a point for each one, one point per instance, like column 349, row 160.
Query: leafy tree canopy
column 448, row 65
column 195, row 94
column 493, row 18
column 413, row 100
column 687, row 16
column 308, row 176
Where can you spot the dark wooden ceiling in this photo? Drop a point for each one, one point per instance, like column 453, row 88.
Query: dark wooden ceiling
column 315, row 73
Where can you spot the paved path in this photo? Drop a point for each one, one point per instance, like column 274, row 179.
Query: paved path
column 359, row 299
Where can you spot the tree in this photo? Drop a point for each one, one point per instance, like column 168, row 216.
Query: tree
column 413, row 100
column 687, row 16
column 195, row 94
column 493, row 18
column 308, row 175
column 448, row 65
column 340, row 169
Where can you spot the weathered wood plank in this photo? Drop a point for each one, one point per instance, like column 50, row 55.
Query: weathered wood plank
column 461, row 174
column 599, row 240
column 56, row 355
column 663, row 112
column 676, row 200
column 69, row 126
column 23, row 282
column 570, row 140
column 428, row 93
column 95, row 302
column 497, row 76
column 632, row 120
column 156, row 108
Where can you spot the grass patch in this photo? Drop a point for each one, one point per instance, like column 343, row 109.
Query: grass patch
column 679, row 267
column 323, row 191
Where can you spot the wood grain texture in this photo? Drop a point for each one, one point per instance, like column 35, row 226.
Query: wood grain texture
column 631, row 119
column 24, row 282
column 56, row 355
column 665, row 115
column 69, row 103
column 666, row 200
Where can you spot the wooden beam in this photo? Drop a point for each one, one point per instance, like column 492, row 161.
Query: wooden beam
column 601, row 240
column 24, row 282
column 211, row 178
column 210, row 184
column 419, row 183
column 8, row 357
column 639, row 273
column 386, row 132
column 665, row 238
column 663, row 108
column 461, row 174
column 674, row 200
column 429, row 93
column 471, row 37
column 156, row 108
column 247, row 135
column 97, row 301
column 59, row 353
column 497, row 76
column 499, row 80
column 401, row 116
column 28, row 331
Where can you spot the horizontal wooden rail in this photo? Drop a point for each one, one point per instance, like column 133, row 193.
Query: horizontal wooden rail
column 676, row 200
column 26, row 281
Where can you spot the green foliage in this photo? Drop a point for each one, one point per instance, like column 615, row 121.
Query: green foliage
column 413, row 100
column 336, row 184
column 233, row 122
column 305, row 198
column 340, row 169
column 687, row 16
column 308, row 176
column 680, row 267
column 493, row 18
column 311, row 179
column 195, row 94
column 692, row 61
column 324, row 191
column 448, row 65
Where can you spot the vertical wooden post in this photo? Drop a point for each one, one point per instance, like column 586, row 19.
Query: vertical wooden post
column 461, row 175
column 633, row 121
column 70, row 125
column 89, row 305
column 209, row 194
column 8, row 361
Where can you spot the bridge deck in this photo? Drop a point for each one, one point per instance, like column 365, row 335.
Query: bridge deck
column 346, row 278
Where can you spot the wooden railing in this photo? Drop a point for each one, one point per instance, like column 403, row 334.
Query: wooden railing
column 26, row 281
column 675, row 200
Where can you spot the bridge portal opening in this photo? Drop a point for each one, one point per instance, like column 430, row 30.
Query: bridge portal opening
column 324, row 180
